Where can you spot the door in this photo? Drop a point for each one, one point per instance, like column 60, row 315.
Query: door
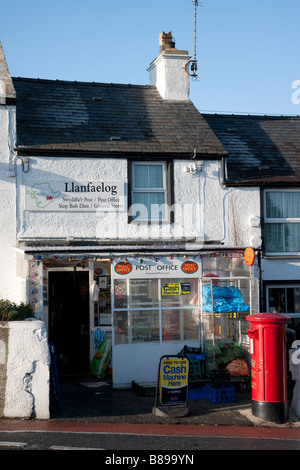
column 69, row 319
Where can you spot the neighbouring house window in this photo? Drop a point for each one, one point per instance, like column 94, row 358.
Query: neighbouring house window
column 149, row 198
column 282, row 222
column 283, row 299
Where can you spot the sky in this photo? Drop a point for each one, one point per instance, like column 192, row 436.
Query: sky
column 247, row 50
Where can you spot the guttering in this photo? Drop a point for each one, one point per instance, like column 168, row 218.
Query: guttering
column 111, row 251
column 261, row 184
column 98, row 153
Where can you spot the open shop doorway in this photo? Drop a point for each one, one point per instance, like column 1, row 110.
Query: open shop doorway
column 69, row 308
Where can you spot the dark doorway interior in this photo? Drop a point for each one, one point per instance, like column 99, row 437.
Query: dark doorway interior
column 69, row 319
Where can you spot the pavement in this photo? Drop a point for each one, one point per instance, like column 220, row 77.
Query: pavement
column 88, row 399
column 92, row 404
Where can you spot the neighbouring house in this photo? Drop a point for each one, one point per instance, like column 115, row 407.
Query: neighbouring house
column 264, row 153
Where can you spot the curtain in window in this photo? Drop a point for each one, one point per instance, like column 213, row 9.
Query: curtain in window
column 282, row 205
column 274, row 205
column 274, row 237
column 148, row 176
column 152, row 204
column 291, row 204
column 292, row 238
column 282, row 238
column 148, row 195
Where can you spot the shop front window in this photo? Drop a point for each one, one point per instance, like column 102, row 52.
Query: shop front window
column 143, row 293
column 145, row 326
column 136, row 326
column 142, row 305
column 180, row 324
column 180, row 313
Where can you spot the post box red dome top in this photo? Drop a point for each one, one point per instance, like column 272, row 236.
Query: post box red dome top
column 268, row 318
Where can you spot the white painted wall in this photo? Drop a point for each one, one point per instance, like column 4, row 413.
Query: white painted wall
column 280, row 269
column 204, row 209
column 9, row 286
column 139, row 362
column 27, row 371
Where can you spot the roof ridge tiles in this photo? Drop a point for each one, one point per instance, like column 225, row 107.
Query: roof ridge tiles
column 85, row 83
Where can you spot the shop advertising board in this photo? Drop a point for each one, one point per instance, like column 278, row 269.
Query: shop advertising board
column 133, row 268
column 173, row 380
column 74, row 196
column 249, row 256
column 176, row 288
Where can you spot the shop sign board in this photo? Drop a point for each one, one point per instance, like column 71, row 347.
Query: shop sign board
column 173, row 380
column 133, row 268
column 249, row 256
column 74, row 196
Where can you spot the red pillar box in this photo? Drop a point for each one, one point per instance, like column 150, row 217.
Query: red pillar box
column 267, row 346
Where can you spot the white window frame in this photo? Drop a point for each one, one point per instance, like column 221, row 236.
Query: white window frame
column 163, row 189
column 277, row 220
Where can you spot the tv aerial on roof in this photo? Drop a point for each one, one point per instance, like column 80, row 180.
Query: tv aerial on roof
column 191, row 65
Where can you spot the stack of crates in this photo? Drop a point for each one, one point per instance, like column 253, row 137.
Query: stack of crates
column 219, row 388
column 197, row 363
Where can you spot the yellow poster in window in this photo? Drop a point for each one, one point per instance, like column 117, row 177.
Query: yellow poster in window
column 171, row 289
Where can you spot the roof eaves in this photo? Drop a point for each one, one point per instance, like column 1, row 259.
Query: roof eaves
column 79, row 152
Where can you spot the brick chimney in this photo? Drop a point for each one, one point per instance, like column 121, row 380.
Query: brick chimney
column 167, row 71
column 166, row 41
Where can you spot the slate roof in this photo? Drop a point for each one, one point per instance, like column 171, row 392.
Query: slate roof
column 96, row 118
column 262, row 150
column 76, row 118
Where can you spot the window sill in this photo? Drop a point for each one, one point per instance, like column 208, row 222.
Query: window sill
column 150, row 222
column 283, row 256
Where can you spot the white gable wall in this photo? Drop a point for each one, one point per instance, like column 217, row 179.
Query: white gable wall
column 9, row 287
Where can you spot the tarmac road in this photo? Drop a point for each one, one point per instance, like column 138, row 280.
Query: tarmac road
column 172, row 440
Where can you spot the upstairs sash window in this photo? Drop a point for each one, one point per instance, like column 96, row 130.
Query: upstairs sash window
column 149, row 192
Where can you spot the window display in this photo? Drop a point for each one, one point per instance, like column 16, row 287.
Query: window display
column 154, row 306
column 136, row 326
column 168, row 298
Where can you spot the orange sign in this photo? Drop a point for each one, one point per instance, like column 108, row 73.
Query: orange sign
column 249, row 256
column 123, row 268
column 189, row 267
